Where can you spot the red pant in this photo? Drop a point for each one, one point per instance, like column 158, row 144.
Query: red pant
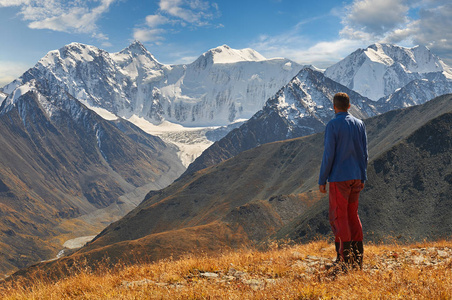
column 344, row 219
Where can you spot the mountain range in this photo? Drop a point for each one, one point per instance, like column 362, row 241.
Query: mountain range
column 300, row 108
column 405, row 197
column 72, row 163
column 221, row 86
column 66, row 172
column 226, row 85
column 404, row 77
column 379, row 70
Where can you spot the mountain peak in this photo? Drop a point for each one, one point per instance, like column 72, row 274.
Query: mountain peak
column 225, row 54
column 75, row 52
column 380, row 69
column 135, row 49
column 79, row 48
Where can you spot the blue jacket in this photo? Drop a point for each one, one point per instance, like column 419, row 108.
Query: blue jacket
column 345, row 154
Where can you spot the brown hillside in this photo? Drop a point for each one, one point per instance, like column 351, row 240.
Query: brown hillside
column 391, row 271
column 407, row 195
column 63, row 177
column 272, row 190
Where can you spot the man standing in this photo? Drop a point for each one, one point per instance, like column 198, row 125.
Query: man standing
column 344, row 165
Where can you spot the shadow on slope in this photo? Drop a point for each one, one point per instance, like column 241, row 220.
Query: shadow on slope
column 407, row 195
column 271, row 191
column 66, row 172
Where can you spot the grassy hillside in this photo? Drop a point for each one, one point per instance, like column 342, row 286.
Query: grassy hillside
column 64, row 177
column 407, row 194
column 274, row 188
column 272, row 191
column 391, row 271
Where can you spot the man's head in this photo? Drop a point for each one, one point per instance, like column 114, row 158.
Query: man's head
column 341, row 102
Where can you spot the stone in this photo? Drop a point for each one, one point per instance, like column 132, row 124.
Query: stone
column 442, row 254
column 209, row 275
column 132, row 284
column 255, row 284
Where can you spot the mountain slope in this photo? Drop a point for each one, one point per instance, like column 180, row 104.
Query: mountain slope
column 409, row 178
column 416, row 92
column 401, row 77
column 66, row 172
column 272, row 191
column 221, row 87
column 300, row 108
column 417, row 271
column 240, row 191
column 381, row 69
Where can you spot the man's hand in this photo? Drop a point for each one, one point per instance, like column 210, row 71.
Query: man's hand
column 362, row 186
column 322, row 188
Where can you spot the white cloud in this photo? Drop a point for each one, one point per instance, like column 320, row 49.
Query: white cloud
column 66, row 16
column 194, row 12
column 7, row 3
column 294, row 45
column 297, row 48
column 175, row 9
column 156, row 20
column 377, row 17
column 148, row 35
column 172, row 13
column 364, row 22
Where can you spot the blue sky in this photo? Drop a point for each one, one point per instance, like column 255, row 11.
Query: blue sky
column 177, row 31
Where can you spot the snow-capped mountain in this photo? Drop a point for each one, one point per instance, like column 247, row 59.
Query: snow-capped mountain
column 302, row 107
column 415, row 92
column 224, row 85
column 224, row 55
column 221, row 86
column 381, row 69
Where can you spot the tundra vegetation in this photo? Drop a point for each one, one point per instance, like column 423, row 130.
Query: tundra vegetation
column 283, row 271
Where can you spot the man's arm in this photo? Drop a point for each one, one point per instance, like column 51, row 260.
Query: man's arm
column 328, row 156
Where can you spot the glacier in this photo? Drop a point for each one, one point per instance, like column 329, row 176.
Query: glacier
column 220, row 87
column 189, row 105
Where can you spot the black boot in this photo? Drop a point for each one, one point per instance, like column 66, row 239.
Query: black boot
column 338, row 254
column 347, row 254
column 341, row 264
column 357, row 251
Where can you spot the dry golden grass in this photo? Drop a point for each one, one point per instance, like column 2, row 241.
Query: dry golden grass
column 420, row 271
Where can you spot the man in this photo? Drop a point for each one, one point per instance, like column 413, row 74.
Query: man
column 344, row 165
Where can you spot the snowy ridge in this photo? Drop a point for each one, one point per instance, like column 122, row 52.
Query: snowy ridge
column 11, row 100
column 381, row 69
column 309, row 96
column 301, row 107
column 226, row 55
column 225, row 85
column 415, row 93
column 136, row 63
column 221, row 86
column 206, row 93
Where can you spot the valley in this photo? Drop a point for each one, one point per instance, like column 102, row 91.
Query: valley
column 89, row 137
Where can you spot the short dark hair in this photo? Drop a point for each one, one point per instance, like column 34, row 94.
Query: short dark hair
column 341, row 101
